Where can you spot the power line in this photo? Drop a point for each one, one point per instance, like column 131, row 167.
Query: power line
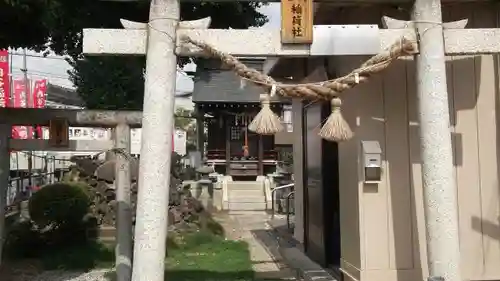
column 66, row 77
column 179, row 70
column 44, row 73
column 39, row 56
column 37, row 75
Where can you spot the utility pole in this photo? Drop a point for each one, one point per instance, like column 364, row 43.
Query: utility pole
column 20, row 181
column 156, row 149
column 439, row 184
column 27, row 100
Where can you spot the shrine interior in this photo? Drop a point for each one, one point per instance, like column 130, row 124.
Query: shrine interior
column 233, row 149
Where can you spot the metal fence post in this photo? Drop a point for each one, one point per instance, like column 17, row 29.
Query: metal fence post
column 5, row 131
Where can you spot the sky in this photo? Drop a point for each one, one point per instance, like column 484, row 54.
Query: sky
column 55, row 69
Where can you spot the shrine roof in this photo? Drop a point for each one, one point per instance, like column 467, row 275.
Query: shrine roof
column 63, row 95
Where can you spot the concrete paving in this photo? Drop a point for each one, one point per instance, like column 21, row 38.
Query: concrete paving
column 252, row 227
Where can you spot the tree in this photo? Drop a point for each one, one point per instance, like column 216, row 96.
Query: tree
column 183, row 120
column 103, row 82
column 110, row 82
column 58, row 24
column 118, row 82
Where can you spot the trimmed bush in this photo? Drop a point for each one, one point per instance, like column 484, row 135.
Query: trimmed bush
column 80, row 257
column 59, row 205
column 61, row 233
column 22, row 240
column 25, row 241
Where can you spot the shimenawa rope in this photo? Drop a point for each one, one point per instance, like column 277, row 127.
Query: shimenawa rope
column 335, row 127
column 266, row 122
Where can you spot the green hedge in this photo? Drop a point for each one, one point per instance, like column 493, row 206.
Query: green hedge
column 60, row 231
column 59, row 205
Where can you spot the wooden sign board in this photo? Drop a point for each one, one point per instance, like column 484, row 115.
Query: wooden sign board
column 59, row 133
column 297, row 21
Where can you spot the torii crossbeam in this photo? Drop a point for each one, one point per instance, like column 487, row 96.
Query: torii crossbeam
column 261, row 42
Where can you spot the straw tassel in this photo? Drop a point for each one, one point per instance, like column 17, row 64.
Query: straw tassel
column 336, row 128
column 266, row 122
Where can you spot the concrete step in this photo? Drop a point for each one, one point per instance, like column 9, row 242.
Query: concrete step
column 246, row 193
column 108, row 241
column 254, row 213
column 247, row 206
column 250, row 199
column 244, row 185
column 107, row 231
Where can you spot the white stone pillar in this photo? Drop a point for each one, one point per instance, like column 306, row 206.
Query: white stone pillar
column 156, row 143
column 439, row 184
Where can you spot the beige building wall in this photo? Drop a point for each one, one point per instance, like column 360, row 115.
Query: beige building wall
column 383, row 235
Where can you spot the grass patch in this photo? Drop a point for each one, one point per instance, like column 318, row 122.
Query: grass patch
column 52, row 251
column 85, row 256
column 208, row 257
column 205, row 256
column 81, row 257
column 192, row 254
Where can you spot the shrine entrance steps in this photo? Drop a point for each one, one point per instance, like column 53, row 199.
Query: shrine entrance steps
column 246, row 196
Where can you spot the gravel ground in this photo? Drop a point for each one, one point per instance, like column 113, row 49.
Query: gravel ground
column 94, row 275
column 32, row 273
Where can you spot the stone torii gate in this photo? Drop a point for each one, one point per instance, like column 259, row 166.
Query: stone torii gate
column 159, row 41
column 122, row 121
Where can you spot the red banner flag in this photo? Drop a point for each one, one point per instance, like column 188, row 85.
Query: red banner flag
column 39, row 100
column 19, row 95
column 39, row 93
column 4, row 79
